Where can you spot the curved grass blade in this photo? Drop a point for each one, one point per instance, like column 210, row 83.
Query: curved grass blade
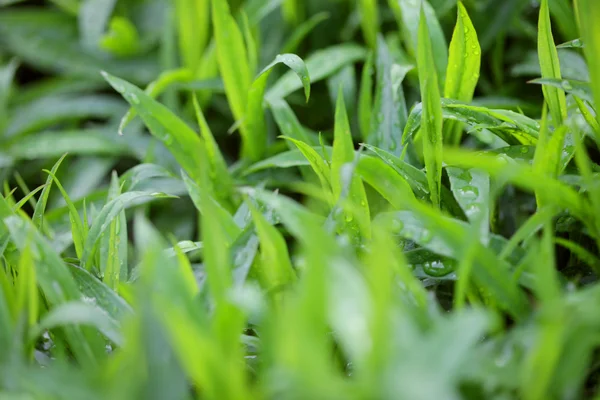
column 104, row 297
column 511, row 127
column 383, row 178
column 577, row 88
column 156, row 87
column 416, row 178
column 178, row 137
column 321, row 64
column 79, row 313
column 317, row 163
column 431, row 125
column 587, row 115
column 287, row 159
column 254, row 137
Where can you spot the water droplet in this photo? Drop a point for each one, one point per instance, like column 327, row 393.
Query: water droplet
column 469, row 192
column 472, row 210
column 119, row 88
column 425, row 236
column 349, row 218
column 566, row 85
column 524, row 150
column 133, row 98
column 437, row 268
column 397, row 225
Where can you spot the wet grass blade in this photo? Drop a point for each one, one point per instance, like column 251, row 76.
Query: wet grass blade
column 177, row 136
column 471, row 188
column 357, row 218
column 385, row 117
column 464, row 62
column 320, row 65
column 431, row 125
column 556, row 192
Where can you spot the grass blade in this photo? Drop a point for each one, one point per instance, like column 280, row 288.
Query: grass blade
column 431, row 125
column 588, row 13
column 464, row 63
column 254, row 137
column 177, row 136
column 233, row 58
column 550, row 66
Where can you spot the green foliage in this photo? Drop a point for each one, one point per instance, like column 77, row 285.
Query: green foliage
column 403, row 215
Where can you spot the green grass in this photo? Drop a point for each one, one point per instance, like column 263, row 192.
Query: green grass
column 407, row 208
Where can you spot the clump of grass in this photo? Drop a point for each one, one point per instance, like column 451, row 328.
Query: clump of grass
column 407, row 208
